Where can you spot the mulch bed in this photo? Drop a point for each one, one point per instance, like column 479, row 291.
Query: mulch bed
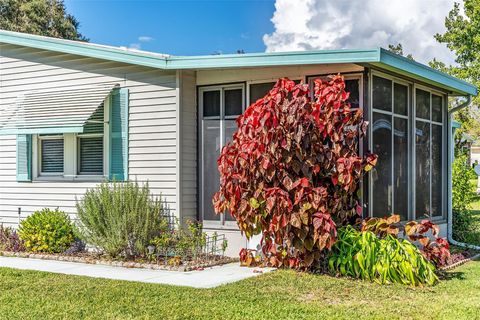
column 94, row 258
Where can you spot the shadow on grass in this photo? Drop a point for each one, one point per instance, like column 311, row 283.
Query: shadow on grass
column 451, row 275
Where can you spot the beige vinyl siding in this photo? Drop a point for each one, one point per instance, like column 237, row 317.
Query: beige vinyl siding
column 188, row 145
column 152, row 125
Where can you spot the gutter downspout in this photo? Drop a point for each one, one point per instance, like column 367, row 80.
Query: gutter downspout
column 451, row 148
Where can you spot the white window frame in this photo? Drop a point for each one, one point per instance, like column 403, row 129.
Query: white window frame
column 71, row 154
column 392, row 115
column 411, row 141
column 443, row 149
column 222, row 223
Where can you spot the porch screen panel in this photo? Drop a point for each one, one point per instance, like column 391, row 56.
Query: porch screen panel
column 429, row 154
column 382, row 94
column 390, row 141
column 400, row 174
column 422, row 169
column 437, row 170
column 382, row 176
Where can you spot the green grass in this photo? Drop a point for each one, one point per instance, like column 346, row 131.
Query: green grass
column 279, row 295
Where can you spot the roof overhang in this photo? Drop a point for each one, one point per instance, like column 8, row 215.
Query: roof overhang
column 378, row 57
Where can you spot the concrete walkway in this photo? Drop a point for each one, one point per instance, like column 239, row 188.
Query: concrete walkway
column 208, row 278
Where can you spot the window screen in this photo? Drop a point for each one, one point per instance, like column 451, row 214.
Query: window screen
column 90, row 150
column 211, row 103
column 52, row 155
column 259, row 90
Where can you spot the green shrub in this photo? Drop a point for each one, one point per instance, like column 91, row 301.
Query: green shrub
column 462, row 189
column 47, row 231
column 120, row 218
column 383, row 260
column 462, row 196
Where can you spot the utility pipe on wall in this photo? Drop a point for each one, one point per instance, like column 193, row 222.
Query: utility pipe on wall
column 451, row 148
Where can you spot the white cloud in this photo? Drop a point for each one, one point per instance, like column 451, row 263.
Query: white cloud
column 338, row 24
column 145, row 39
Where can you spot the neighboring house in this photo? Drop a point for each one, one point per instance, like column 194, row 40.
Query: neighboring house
column 73, row 114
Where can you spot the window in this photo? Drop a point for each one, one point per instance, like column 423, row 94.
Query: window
column 259, row 90
column 407, row 135
column 219, row 107
column 429, row 154
column 52, row 156
column 353, row 84
column 70, row 155
column 90, row 148
column 390, row 142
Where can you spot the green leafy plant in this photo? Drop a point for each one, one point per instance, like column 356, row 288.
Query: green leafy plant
column 47, row 231
column 434, row 248
column 363, row 255
column 292, row 170
column 462, row 197
column 121, row 218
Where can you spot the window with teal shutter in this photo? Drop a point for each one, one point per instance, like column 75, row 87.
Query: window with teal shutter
column 90, row 145
column 118, row 169
column 24, row 157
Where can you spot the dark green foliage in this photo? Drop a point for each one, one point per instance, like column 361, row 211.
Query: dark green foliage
column 47, row 231
column 120, row 218
column 462, row 36
column 361, row 254
column 462, row 197
column 40, row 17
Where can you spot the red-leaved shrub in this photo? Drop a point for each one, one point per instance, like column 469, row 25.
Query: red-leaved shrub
column 293, row 168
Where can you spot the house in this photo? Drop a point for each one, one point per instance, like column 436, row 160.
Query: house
column 75, row 113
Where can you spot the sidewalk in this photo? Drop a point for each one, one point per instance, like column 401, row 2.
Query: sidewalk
column 208, row 278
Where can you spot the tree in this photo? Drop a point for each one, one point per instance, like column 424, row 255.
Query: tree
column 292, row 170
column 463, row 38
column 40, row 17
column 398, row 49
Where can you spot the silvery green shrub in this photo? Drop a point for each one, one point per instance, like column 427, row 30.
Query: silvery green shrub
column 120, row 218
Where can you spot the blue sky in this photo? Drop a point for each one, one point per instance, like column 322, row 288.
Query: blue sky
column 176, row 27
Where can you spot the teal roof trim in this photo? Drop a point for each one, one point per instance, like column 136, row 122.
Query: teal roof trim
column 273, row 59
column 407, row 66
column 84, row 49
column 376, row 57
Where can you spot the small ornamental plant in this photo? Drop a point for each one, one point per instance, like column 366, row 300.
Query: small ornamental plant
column 292, row 170
column 48, row 231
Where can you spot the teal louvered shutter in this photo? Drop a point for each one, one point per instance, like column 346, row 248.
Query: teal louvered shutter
column 24, row 157
column 119, row 135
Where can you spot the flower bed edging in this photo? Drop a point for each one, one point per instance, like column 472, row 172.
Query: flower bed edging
column 115, row 263
column 459, row 263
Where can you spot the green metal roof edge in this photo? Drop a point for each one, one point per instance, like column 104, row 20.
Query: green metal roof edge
column 423, row 72
column 379, row 57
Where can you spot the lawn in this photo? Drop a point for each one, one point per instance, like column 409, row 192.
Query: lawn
column 279, row 295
